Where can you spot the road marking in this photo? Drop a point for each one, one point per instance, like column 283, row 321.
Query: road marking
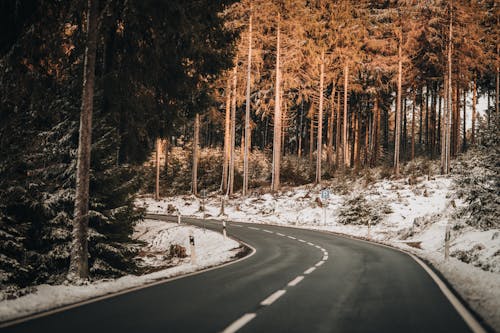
column 236, row 225
column 325, row 258
column 310, row 270
column 318, row 247
column 461, row 309
column 319, row 263
column 280, row 234
column 301, row 240
column 273, row 297
column 295, row 281
column 268, row 231
column 242, row 321
column 291, row 237
column 253, row 228
column 310, row 243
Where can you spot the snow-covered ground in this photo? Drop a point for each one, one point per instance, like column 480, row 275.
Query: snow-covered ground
column 158, row 236
column 414, row 219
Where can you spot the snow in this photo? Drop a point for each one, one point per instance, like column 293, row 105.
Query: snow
column 211, row 250
column 415, row 222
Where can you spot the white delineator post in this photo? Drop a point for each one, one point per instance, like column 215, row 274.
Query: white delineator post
column 369, row 227
column 447, row 235
column 178, row 218
column 224, row 233
column 193, row 249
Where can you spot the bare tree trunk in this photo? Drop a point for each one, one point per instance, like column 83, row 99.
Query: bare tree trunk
column 196, row 147
column 230, row 188
column 474, row 105
column 337, row 139
column 413, row 130
column 345, row 145
column 311, row 133
column 445, row 168
column 375, row 133
column 331, row 121
column 497, row 90
column 397, row 133
column 320, row 120
column 247, row 109
column 299, row 139
column 277, row 115
column 227, row 137
column 157, row 182
column 357, row 139
column 464, row 138
column 79, row 267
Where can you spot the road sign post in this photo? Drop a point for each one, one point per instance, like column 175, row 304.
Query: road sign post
column 224, row 229
column 447, row 236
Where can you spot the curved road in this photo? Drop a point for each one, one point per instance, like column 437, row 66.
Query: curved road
column 297, row 281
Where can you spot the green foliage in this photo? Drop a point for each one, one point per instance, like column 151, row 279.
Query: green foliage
column 478, row 179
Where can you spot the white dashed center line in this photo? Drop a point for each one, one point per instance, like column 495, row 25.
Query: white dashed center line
column 309, row 270
column 253, row 228
column 273, row 297
column 280, row 234
column 302, row 241
column 295, row 281
column 291, row 237
column 319, row 263
column 309, row 243
column 242, row 321
column 268, row 231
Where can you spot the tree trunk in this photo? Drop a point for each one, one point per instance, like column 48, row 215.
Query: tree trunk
column 79, row 267
column 445, row 168
column 474, row 102
column 464, row 138
column 357, row 132
column 345, row 146
column 277, row 115
column 337, row 134
column 227, row 137
column 320, row 120
column 230, row 188
column 311, row 133
column 299, row 139
column 413, row 130
column 375, row 132
column 247, row 108
column 196, row 147
column 397, row 133
column 331, row 121
column 157, row 163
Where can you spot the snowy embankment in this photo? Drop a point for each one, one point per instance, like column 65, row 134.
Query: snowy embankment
column 414, row 218
column 160, row 239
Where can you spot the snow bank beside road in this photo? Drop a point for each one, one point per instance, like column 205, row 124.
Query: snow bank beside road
column 416, row 220
column 211, row 250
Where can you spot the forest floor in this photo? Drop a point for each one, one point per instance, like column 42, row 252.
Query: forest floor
column 413, row 218
column 156, row 259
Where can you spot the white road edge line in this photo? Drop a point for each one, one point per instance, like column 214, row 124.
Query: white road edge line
column 325, row 258
column 239, row 323
column 461, row 309
column 273, row 297
column 296, row 281
column 319, row 263
column 309, row 270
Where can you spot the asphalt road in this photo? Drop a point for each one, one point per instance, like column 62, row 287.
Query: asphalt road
column 297, row 281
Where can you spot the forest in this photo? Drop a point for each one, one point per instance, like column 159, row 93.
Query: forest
column 234, row 97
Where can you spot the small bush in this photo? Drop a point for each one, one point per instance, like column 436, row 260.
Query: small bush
column 359, row 211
